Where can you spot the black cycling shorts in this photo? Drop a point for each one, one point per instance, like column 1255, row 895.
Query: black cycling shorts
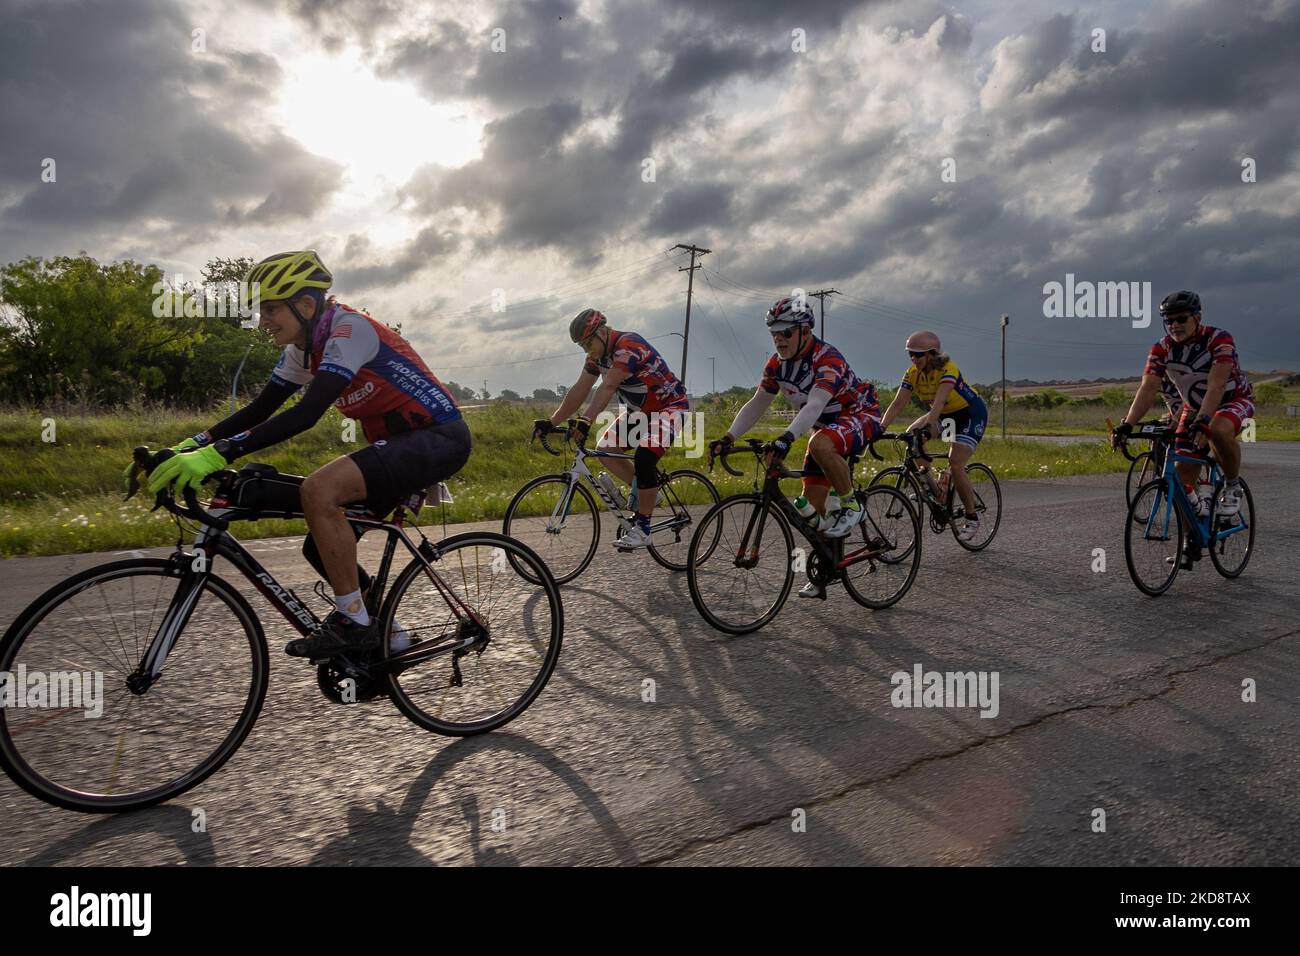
column 400, row 464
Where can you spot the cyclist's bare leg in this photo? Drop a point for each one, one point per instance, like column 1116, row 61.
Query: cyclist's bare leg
column 958, row 456
column 324, row 492
column 1223, row 436
column 620, row 468
column 833, row 465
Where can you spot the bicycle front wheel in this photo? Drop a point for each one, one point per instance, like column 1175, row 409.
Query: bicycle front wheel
column 467, row 674
column 686, row 495
column 988, row 507
column 556, row 518
column 746, row 575
column 886, row 546
column 1154, row 537
column 1234, row 536
column 81, row 737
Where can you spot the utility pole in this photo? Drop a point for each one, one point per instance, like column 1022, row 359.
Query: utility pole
column 690, row 288
column 1006, row 319
column 821, row 295
column 713, row 359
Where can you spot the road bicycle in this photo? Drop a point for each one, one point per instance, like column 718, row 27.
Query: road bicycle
column 915, row 478
column 557, row 516
column 1164, row 525
column 184, row 659
column 742, row 559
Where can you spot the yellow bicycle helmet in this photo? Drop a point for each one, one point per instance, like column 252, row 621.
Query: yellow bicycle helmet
column 284, row 275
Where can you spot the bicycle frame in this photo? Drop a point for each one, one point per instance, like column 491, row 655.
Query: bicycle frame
column 213, row 540
column 832, row 554
column 1176, row 497
column 579, row 471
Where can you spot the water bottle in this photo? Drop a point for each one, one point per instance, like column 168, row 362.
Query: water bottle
column 804, row 507
column 607, row 483
column 1205, row 497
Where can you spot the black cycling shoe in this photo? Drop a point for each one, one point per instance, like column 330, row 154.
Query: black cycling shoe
column 339, row 634
column 1191, row 554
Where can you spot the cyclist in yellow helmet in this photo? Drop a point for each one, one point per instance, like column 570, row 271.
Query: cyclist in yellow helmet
column 416, row 433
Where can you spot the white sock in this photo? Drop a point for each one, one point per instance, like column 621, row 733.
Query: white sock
column 353, row 607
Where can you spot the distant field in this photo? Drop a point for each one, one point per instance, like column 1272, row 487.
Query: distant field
column 63, row 496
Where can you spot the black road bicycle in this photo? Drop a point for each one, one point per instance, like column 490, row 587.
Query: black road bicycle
column 557, row 517
column 184, row 659
column 742, row 560
column 916, row 479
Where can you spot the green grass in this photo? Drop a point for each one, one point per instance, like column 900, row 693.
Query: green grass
column 63, row 497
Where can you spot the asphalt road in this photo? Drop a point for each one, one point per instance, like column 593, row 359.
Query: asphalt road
column 783, row 746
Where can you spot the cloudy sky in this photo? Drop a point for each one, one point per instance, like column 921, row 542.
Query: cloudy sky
column 937, row 163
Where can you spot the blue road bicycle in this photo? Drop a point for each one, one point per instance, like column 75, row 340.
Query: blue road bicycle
column 1165, row 531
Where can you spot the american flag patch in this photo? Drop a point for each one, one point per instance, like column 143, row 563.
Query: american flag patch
column 342, row 332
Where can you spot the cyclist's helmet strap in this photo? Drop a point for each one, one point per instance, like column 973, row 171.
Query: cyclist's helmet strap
column 1178, row 302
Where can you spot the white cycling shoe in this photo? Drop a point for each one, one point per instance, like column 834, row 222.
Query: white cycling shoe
column 969, row 530
column 634, row 537
column 1229, row 502
column 845, row 520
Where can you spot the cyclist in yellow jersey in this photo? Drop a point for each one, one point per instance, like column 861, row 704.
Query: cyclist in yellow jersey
column 935, row 381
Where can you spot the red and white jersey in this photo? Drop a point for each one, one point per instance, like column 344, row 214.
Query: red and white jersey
column 822, row 367
column 651, row 385
column 1187, row 366
column 391, row 389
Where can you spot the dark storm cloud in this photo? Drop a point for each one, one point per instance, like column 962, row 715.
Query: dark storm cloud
column 107, row 91
column 692, row 206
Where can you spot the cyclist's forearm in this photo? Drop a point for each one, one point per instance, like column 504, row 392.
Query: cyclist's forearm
column 750, row 413
column 599, row 401
column 1143, row 399
column 324, row 389
column 1214, row 388
column 268, row 400
column 811, row 411
column 573, row 399
column 901, row 398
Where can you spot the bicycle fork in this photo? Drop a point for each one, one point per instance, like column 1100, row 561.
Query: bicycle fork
column 177, row 616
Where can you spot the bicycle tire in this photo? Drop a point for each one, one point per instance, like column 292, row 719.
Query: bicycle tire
column 23, row 774
column 693, row 566
column 566, row 574
column 997, row 493
column 682, row 473
column 538, row 575
column 1133, row 522
column 1248, row 505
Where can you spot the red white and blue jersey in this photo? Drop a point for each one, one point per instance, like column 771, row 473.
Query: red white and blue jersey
column 651, row 385
column 822, row 367
column 390, row 390
column 1187, row 366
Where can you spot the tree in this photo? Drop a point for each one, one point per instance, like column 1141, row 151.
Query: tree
column 509, row 396
column 544, row 395
column 72, row 327
column 461, row 393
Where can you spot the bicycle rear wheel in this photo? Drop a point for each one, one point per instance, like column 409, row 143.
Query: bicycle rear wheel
column 561, row 525
column 746, row 576
column 1139, row 473
column 686, row 495
column 988, row 506
column 458, row 677
column 1234, row 536
column 94, row 745
column 1153, row 534
column 889, row 537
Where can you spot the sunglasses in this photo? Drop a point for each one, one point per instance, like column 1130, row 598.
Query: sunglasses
column 784, row 333
column 1180, row 318
column 920, row 354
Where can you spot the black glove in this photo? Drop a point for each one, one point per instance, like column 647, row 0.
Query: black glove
column 779, row 447
column 1123, row 431
column 718, row 446
column 581, row 429
column 542, row 426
